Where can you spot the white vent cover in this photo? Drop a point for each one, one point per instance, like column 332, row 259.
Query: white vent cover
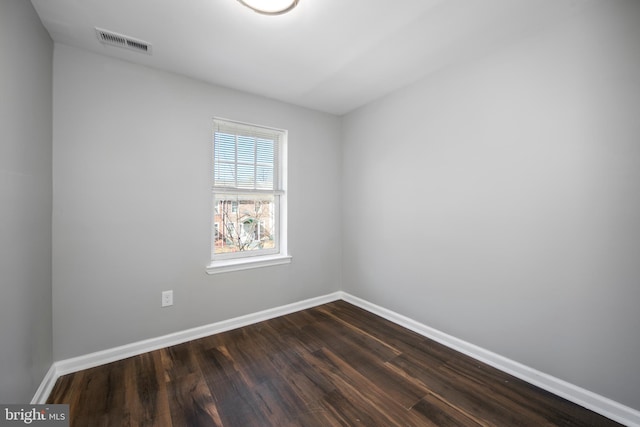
column 115, row 39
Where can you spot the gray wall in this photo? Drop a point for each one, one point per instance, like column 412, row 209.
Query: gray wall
column 25, row 201
column 132, row 206
column 499, row 201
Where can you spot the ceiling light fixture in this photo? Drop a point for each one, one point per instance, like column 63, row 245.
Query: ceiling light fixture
column 270, row 7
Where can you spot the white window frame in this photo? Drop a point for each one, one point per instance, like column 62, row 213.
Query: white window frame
column 221, row 263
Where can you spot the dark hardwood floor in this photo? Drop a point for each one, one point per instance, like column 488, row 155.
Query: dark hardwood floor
column 332, row 365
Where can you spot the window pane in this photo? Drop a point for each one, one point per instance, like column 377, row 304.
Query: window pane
column 246, row 178
column 246, row 149
column 264, row 177
column 264, row 151
column 245, row 223
column 224, row 175
column 225, row 147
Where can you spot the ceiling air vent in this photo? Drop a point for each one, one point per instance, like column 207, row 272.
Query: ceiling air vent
column 115, row 39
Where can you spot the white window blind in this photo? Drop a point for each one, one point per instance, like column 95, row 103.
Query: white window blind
column 245, row 158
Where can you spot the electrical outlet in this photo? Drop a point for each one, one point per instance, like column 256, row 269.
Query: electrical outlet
column 167, row 298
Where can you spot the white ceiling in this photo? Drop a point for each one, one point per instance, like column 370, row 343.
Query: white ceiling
column 329, row 55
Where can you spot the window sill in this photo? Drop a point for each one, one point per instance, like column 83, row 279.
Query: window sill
column 247, row 263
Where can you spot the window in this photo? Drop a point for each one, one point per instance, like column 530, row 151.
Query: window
column 249, row 198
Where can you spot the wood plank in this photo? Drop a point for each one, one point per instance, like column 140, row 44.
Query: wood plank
column 463, row 394
column 369, row 403
column 365, row 354
column 439, row 413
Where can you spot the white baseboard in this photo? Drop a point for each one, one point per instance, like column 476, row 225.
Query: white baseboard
column 98, row 358
column 600, row 404
column 585, row 398
column 43, row 391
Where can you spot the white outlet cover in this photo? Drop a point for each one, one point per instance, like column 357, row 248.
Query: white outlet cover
column 167, row 298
